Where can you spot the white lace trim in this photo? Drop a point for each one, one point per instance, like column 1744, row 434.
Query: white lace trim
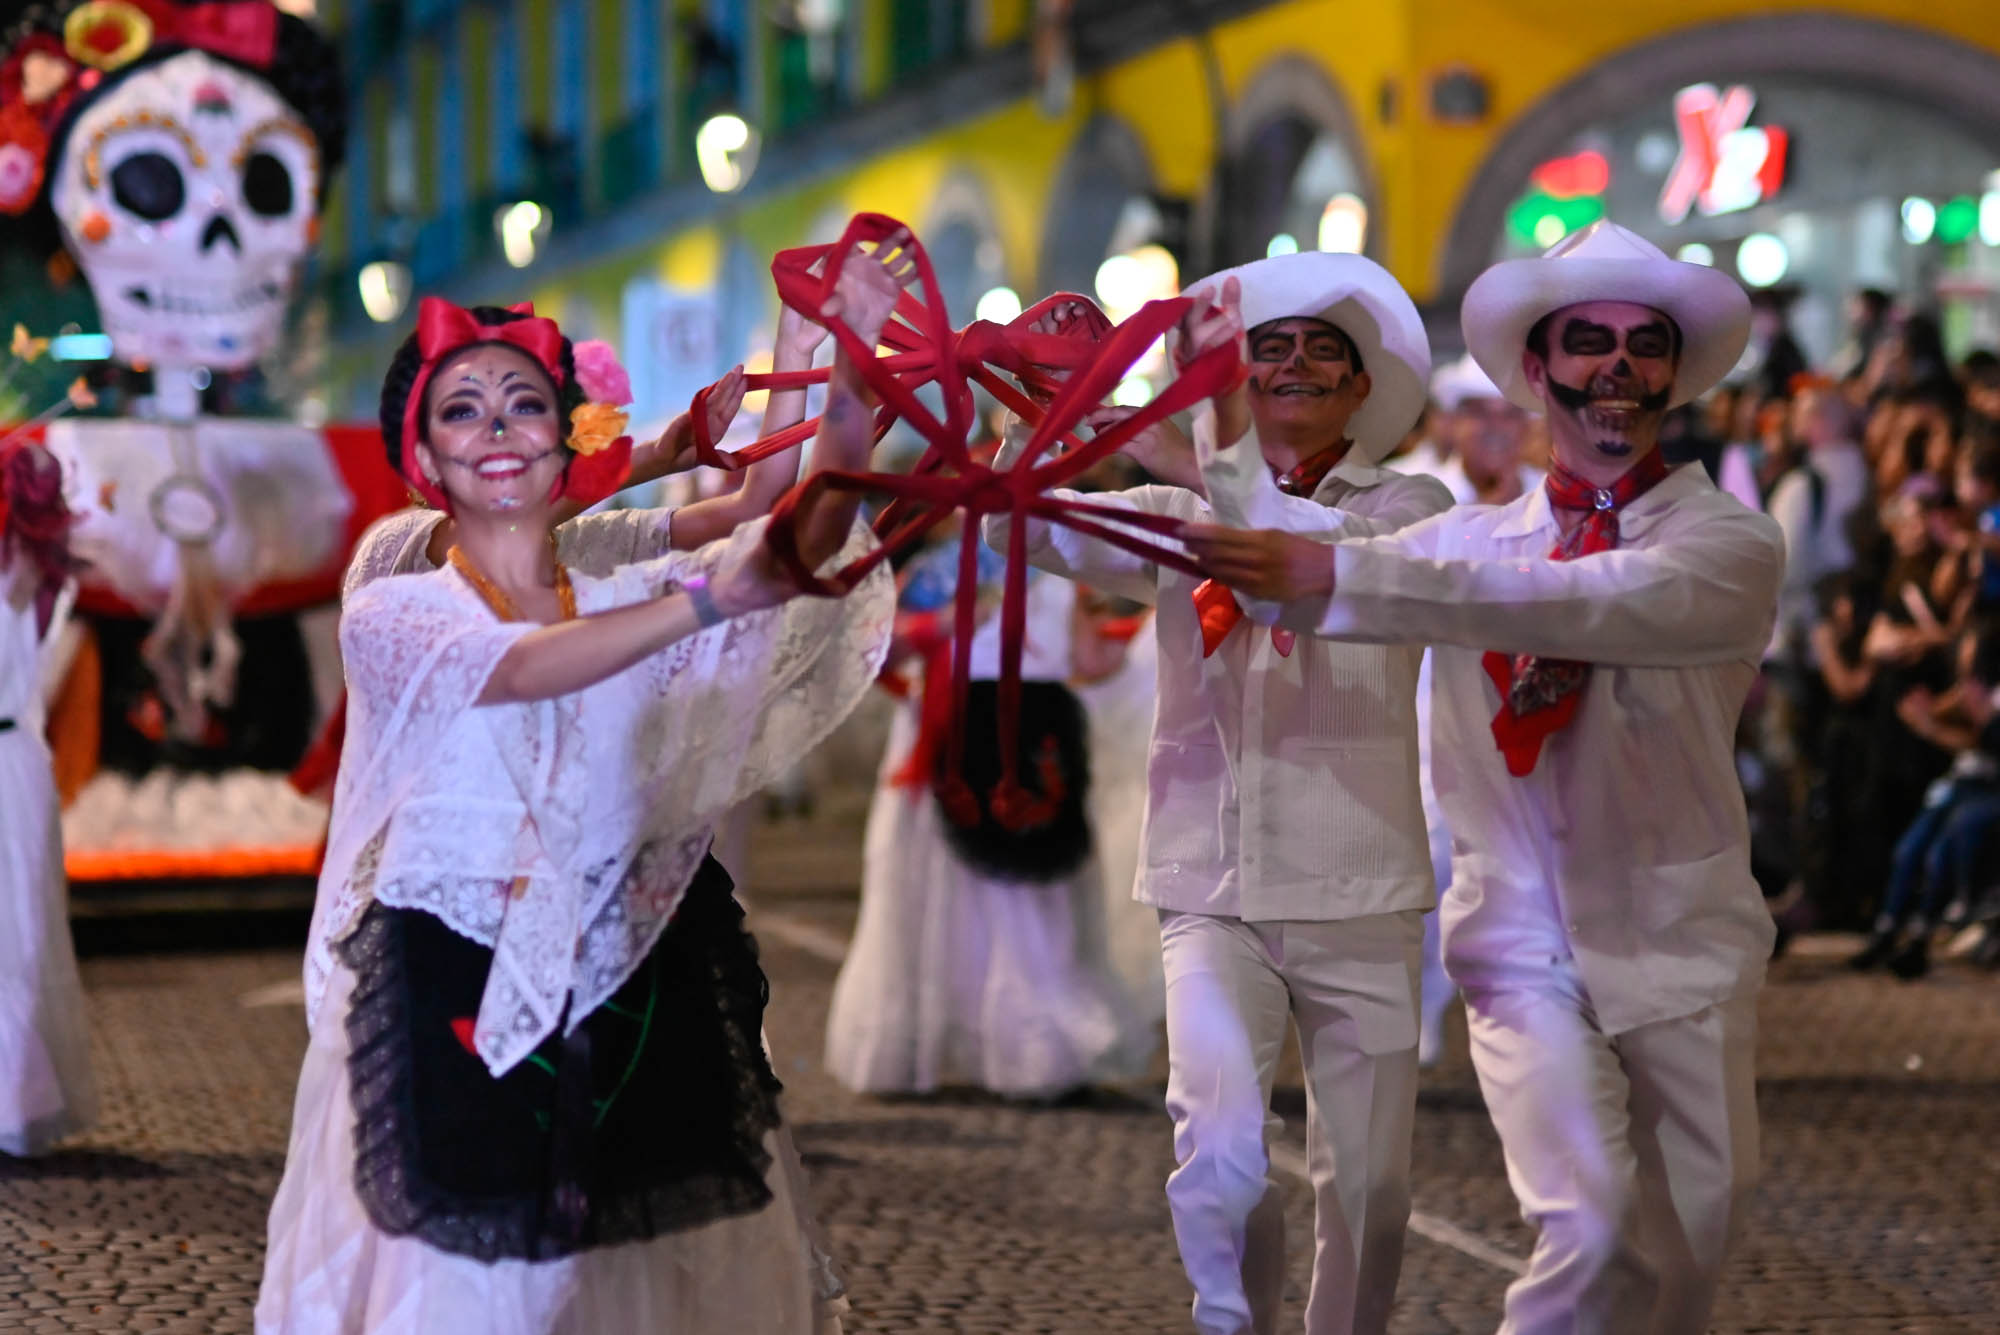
column 563, row 833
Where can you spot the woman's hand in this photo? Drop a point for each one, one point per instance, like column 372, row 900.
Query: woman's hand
column 673, row 451
column 798, row 339
column 870, row 284
column 749, row 580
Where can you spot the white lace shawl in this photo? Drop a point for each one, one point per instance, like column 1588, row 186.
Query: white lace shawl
column 563, row 833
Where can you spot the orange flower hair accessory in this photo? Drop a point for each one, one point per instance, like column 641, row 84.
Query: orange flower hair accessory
column 595, row 426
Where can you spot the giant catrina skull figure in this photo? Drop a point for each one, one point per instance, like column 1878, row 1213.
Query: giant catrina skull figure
column 179, row 152
column 181, row 149
column 189, row 194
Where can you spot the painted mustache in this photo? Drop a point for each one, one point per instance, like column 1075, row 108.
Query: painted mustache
column 1576, row 400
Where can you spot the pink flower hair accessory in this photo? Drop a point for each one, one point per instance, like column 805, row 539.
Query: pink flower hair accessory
column 600, row 375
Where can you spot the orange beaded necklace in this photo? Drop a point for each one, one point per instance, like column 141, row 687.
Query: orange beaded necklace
column 496, row 598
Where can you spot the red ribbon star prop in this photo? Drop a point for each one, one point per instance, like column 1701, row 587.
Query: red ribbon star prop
column 949, row 480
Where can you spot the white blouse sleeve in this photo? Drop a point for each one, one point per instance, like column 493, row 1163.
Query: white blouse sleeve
column 760, row 691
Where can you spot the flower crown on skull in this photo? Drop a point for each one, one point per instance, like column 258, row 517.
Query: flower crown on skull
column 61, row 53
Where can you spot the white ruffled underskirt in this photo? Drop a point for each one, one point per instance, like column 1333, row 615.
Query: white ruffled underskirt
column 956, row 978
column 329, row 1271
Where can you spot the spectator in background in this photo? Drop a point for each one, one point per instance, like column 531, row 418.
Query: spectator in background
column 1944, row 856
column 1982, row 397
column 1736, row 463
column 1813, row 502
column 1979, row 497
column 1779, row 358
column 1910, row 355
column 1920, row 436
column 1867, row 322
column 1838, row 853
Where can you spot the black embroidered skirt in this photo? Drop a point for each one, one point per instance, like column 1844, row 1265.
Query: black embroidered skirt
column 1052, row 761
column 649, row 1119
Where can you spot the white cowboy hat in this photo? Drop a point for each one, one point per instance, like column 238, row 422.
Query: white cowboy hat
column 1456, row 382
column 1358, row 297
column 1606, row 262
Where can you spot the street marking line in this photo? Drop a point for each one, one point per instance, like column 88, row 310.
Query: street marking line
column 810, row 937
column 291, row 992
column 1442, row 1231
column 831, row 946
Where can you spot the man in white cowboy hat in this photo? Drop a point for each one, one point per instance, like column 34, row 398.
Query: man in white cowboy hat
column 1602, row 919
column 1284, row 844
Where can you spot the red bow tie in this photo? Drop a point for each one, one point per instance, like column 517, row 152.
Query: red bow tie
column 1539, row 696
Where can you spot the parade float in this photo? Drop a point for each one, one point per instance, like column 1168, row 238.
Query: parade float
column 176, row 156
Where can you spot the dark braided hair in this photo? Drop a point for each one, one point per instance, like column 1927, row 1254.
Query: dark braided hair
column 409, row 359
column 304, row 71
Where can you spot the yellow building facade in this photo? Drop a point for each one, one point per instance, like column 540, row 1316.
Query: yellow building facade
column 1442, row 126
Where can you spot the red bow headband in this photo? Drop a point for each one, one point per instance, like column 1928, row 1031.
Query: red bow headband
column 444, row 330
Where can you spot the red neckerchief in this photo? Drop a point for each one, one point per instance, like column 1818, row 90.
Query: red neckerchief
column 1539, row 696
column 1215, row 607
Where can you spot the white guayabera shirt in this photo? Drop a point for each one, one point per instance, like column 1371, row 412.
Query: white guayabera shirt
column 562, row 833
column 1625, row 854
column 1279, row 788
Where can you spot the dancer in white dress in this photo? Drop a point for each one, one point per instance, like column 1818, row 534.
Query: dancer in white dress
column 46, row 1091
column 1120, row 704
column 969, row 972
column 570, row 1127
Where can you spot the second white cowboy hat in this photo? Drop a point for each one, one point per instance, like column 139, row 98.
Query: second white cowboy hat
column 1358, row 297
column 1606, row 262
column 1456, row 382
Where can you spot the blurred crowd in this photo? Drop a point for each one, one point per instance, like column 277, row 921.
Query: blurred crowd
column 1869, row 752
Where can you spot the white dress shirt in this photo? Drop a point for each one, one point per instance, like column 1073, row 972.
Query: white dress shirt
column 1624, row 854
column 1278, row 788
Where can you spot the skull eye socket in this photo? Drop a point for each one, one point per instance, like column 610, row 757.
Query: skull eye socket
column 149, row 185
column 267, row 185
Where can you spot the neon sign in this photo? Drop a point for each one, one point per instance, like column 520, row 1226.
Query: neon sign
column 1725, row 163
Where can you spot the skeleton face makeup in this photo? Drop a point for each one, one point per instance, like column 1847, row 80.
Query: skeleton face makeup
column 492, row 431
column 1303, row 379
column 189, row 195
column 1607, row 377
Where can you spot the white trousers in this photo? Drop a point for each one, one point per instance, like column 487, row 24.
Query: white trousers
column 1351, row 989
column 1633, row 1155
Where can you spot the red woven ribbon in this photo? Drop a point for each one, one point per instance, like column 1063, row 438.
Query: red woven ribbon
column 948, row 481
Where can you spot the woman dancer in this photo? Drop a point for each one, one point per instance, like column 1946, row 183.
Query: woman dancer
column 416, row 540
column 569, row 1126
column 46, row 1090
column 980, row 956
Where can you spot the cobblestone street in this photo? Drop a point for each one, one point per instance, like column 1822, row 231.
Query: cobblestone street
column 1879, row 1211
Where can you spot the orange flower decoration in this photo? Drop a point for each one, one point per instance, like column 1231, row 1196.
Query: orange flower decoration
column 593, row 426
column 107, row 34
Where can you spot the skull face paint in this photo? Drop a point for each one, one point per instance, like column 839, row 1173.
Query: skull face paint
column 1606, row 371
column 493, row 434
column 1305, row 379
column 188, row 194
